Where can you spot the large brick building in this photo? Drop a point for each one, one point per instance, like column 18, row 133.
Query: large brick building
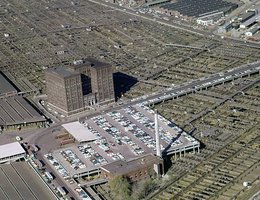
column 64, row 89
column 134, row 169
column 102, row 82
column 84, row 83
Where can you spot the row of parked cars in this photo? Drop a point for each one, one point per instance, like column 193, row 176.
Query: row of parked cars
column 117, row 135
column 92, row 155
column 130, row 127
column 148, row 123
column 57, row 165
column 73, row 159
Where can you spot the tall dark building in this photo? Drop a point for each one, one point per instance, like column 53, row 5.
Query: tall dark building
column 64, row 89
column 83, row 67
column 102, row 82
column 84, row 83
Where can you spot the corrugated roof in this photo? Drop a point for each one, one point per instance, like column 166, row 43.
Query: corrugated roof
column 199, row 7
column 16, row 110
column 252, row 20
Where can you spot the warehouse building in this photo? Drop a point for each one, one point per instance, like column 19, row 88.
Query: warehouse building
column 250, row 22
column 199, row 8
column 246, row 16
column 16, row 111
column 11, row 152
column 252, row 31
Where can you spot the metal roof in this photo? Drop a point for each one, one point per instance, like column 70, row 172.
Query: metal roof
column 79, row 132
column 199, row 7
column 16, row 110
column 11, row 149
column 252, row 20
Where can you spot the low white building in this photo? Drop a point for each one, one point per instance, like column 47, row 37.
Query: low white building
column 11, row 152
column 205, row 21
column 252, row 31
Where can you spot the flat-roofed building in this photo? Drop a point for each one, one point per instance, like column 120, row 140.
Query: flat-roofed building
column 84, row 83
column 102, row 82
column 79, row 132
column 64, row 90
column 134, row 169
column 11, row 152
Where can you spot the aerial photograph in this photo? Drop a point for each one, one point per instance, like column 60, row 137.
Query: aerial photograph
column 129, row 99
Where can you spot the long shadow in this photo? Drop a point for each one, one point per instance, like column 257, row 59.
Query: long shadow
column 123, row 83
column 9, row 81
column 169, row 145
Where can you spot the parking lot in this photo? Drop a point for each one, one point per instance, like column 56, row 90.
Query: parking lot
column 122, row 134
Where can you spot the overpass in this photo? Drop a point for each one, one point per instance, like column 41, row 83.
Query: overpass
column 195, row 85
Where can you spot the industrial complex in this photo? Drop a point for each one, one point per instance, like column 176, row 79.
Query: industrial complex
column 129, row 99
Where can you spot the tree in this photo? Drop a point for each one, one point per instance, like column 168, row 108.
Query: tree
column 120, row 188
column 147, row 187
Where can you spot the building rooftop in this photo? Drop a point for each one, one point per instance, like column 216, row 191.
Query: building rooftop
column 19, row 181
column 252, row 20
column 5, row 86
column 97, row 64
column 11, row 149
column 79, row 132
column 79, row 63
column 246, row 16
column 16, row 110
column 62, row 72
column 199, row 7
column 121, row 167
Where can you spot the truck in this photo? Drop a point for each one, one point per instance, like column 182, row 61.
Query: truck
column 61, row 191
column 48, row 175
column 34, row 148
